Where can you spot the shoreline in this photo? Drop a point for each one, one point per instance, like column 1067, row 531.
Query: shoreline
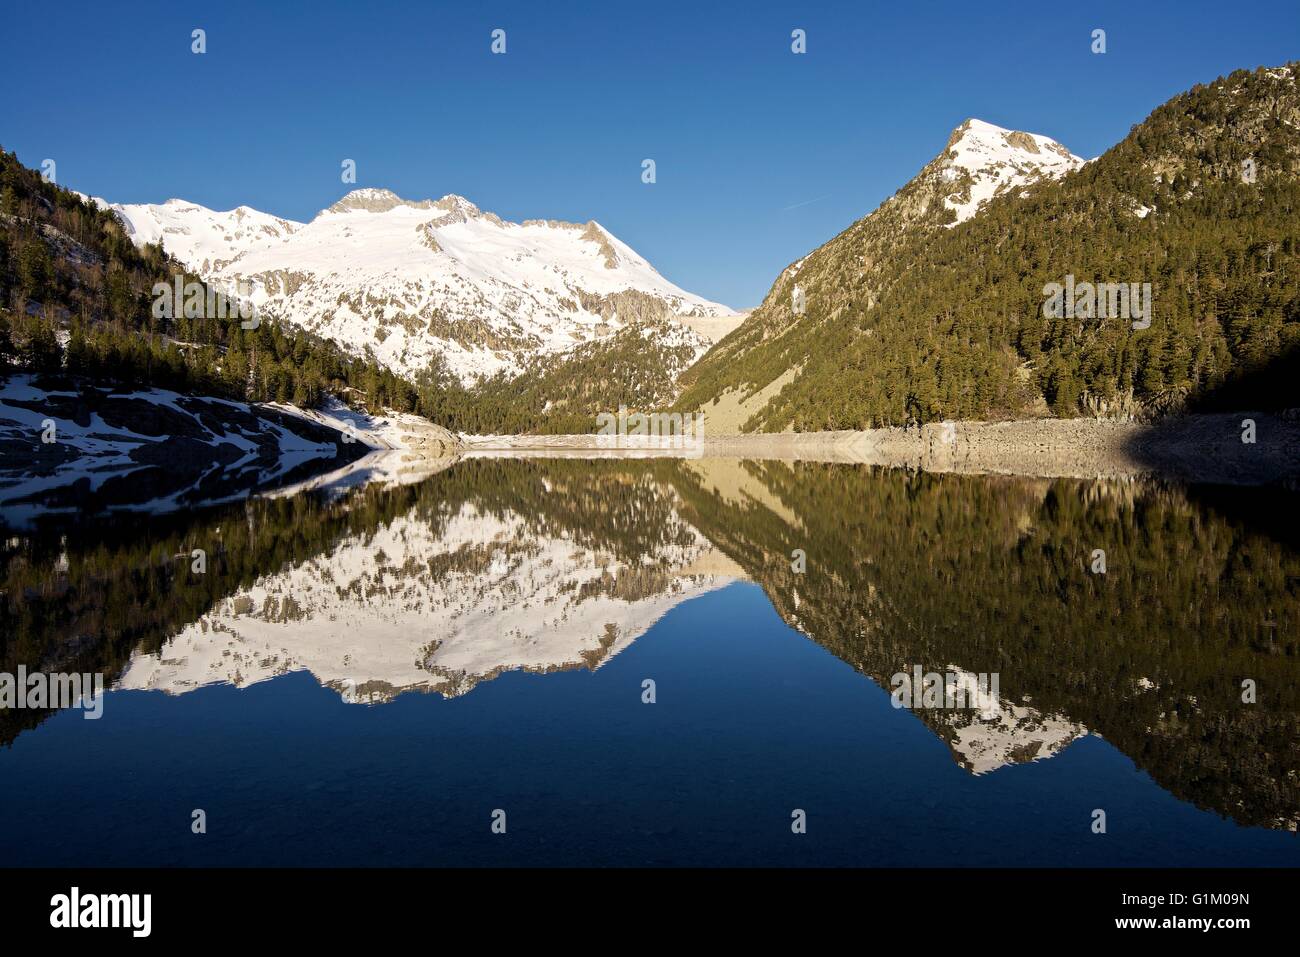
column 1207, row 447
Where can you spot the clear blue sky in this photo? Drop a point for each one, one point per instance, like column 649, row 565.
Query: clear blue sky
column 762, row 154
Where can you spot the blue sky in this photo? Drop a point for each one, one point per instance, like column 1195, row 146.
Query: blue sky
column 761, row 154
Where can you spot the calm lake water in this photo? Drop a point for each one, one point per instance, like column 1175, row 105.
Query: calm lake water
column 369, row 676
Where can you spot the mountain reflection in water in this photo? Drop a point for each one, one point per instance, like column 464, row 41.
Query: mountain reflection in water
column 492, row 566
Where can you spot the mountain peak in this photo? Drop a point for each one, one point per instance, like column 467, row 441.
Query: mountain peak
column 452, row 201
column 979, row 135
column 974, row 127
column 984, row 159
column 368, row 200
column 377, row 200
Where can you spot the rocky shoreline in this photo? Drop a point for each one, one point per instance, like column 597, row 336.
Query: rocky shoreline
column 73, row 447
column 1215, row 448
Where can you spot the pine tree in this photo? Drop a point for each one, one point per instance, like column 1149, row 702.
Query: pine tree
column 35, row 270
column 7, row 352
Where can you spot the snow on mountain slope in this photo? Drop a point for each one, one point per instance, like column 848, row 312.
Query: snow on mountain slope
column 407, row 607
column 407, row 281
column 990, row 160
column 69, row 447
column 204, row 239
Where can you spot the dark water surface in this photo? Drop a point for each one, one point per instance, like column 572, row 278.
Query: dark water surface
column 365, row 677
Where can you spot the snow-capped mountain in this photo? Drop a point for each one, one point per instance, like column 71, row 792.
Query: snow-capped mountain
column 410, row 280
column 850, row 273
column 983, row 160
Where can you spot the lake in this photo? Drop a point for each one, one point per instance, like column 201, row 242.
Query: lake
column 664, row 662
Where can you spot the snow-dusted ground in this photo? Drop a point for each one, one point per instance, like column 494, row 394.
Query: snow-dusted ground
column 408, row 280
column 389, row 431
column 71, row 447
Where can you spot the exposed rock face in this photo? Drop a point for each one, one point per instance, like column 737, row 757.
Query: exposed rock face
column 374, row 201
column 594, row 234
column 1022, row 141
column 429, row 440
column 384, row 432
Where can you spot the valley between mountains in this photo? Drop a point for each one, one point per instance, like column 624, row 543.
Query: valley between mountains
column 921, row 335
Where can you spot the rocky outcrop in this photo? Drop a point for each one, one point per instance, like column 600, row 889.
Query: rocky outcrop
column 428, row 440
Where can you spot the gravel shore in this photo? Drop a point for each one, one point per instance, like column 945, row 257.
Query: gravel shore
column 1206, row 448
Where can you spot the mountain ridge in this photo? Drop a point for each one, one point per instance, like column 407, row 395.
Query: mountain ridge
column 415, row 282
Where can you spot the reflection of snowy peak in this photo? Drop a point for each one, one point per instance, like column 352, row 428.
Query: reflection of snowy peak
column 407, row 609
column 409, row 280
column 998, row 733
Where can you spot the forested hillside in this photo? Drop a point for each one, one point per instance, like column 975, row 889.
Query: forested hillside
column 75, row 296
column 635, row 367
column 911, row 318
